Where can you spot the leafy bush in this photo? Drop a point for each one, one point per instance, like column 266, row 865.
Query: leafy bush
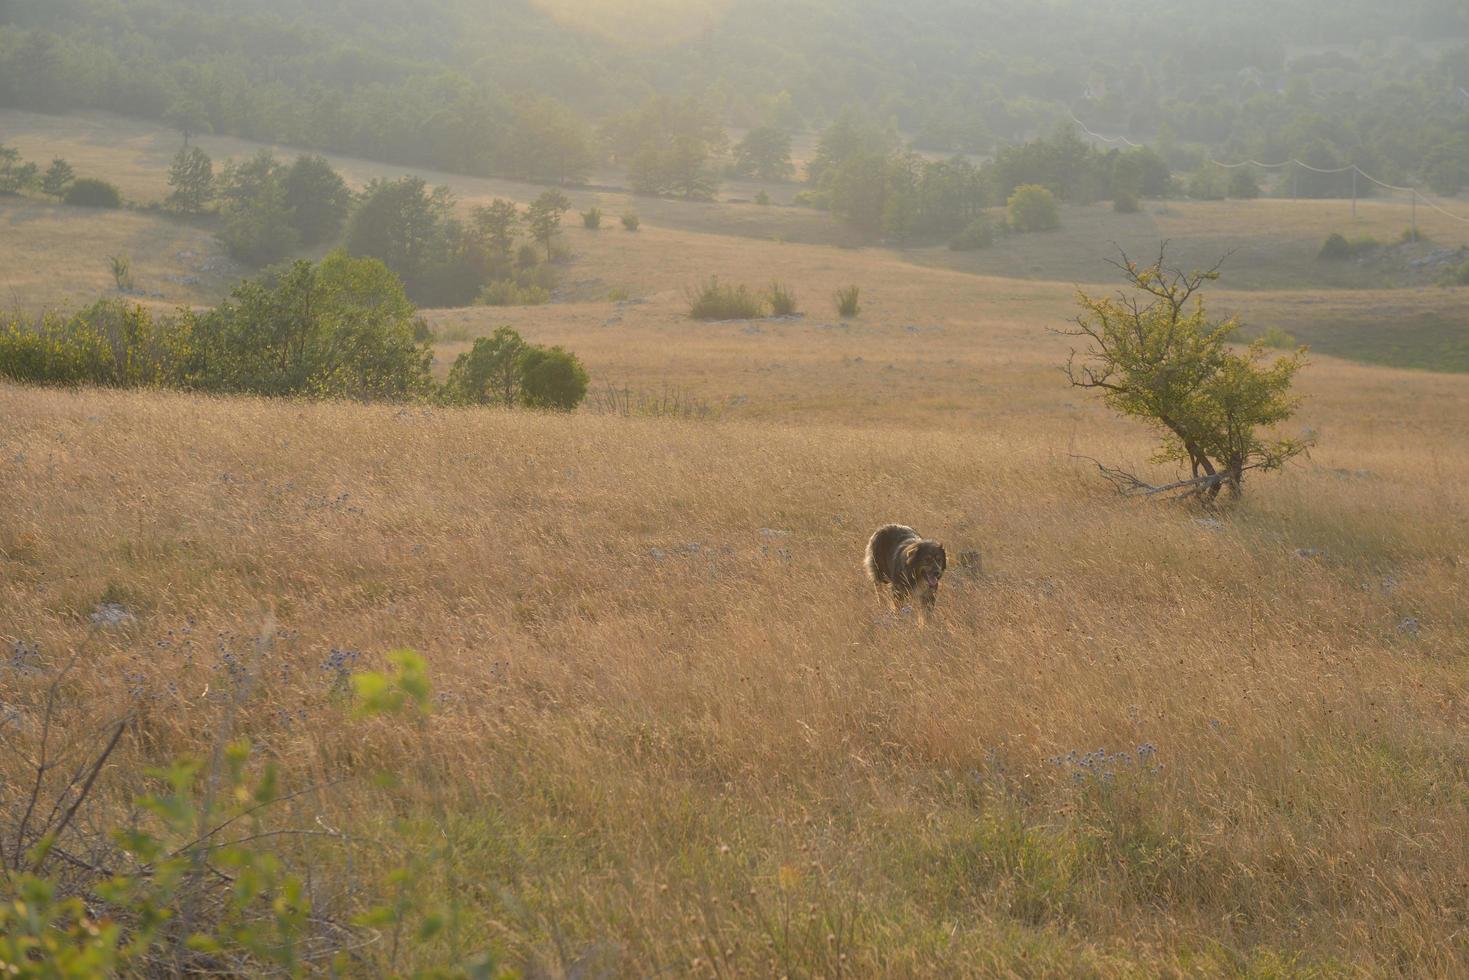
column 1206, row 185
column 762, row 198
column 1338, row 247
column 552, row 378
column 592, row 220
column 1279, row 339
column 714, row 300
column 1125, row 202
column 89, row 192
column 1458, row 276
column 192, row 877
column 342, row 329
column 979, row 233
column 503, row 369
column 782, row 299
column 1033, row 208
column 527, row 256
column 508, row 292
column 847, row 301
column 631, row 222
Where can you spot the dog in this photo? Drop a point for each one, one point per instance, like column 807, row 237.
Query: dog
column 908, row 564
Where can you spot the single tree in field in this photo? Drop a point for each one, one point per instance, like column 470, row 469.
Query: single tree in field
column 489, row 373
column 318, row 199
column 400, row 222
column 189, row 117
column 192, row 178
column 57, row 177
column 765, row 154
column 496, row 226
column 543, row 217
column 1155, row 355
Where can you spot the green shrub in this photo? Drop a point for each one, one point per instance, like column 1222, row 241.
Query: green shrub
column 1458, row 276
column 618, row 294
column 1206, row 185
column 89, row 192
column 552, row 378
column 1279, row 339
column 631, row 222
column 1335, row 247
column 782, row 299
column 527, row 256
column 503, row 369
column 1125, row 202
column 714, row 300
column 1338, row 247
column 1033, row 208
column 762, row 198
column 979, row 233
column 122, row 271
column 592, row 220
column 1411, row 235
column 109, row 344
column 847, row 301
column 489, row 372
column 508, row 292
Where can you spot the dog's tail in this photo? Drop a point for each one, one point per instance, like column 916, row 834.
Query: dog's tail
column 869, row 563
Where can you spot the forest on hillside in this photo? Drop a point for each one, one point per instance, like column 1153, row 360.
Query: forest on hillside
column 535, row 90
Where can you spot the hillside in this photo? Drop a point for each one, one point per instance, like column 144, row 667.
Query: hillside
column 667, row 709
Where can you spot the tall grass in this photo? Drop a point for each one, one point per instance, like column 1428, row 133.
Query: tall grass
column 782, row 299
column 715, row 300
column 848, row 301
column 673, row 726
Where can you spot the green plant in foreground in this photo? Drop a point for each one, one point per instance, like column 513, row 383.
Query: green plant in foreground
column 197, row 885
column 782, row 299
column 848, row 301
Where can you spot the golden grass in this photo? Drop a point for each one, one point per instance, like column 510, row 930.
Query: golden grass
column 677, row 733
column 672, row 712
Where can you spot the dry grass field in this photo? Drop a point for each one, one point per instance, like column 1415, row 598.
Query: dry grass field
column 674, row 733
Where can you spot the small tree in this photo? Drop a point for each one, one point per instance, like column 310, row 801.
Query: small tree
column 317, row 197
column 1033, row 208
column 1243, row 185
column 58, row 176
column 1155, row 355
column 543, row 217
column 489, row 372
column 192, row 178
column 121, row 268
column 553, row 378
column 189, row 117
column 496, row 226
column 14, row 174
column 765, row 154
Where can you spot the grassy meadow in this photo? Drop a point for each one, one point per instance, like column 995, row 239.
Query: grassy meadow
column 674, row 732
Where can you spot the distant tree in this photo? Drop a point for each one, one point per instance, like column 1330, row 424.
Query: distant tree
column 496, row 226
column 1243, row 185
column 849, row 137
column 543, row 217
column 15, row 175
column 258, row 230
column 679, row 168
column 318, row 199
column 860, row 188
column 765, row 154
column 57, row 177
column 1155, row 355
column 401, row 223
column 189, row 117
column 553, row 378
column 89, row 192
column 548, row 142
column 192, row 178
column 668, row 146
column 1033, row 208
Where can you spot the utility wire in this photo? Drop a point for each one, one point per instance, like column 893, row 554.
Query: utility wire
column 1417, row 194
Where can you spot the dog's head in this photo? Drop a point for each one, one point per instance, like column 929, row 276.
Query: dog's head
column 926, row 562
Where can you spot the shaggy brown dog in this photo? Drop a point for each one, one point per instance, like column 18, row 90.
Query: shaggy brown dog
column 897, row 556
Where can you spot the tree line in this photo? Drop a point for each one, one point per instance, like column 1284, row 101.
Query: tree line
column 504, row 89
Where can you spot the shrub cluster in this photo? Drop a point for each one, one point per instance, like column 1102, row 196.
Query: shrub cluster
column 343, row 328
column 89, row 192
column 715, row 300
column 979, row 233
column 1338, row 247
column 503, row 369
